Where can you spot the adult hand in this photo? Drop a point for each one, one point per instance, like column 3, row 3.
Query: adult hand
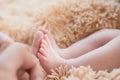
column 17, row 56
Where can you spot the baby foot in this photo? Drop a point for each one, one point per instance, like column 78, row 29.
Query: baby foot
column 53, row 43
column 61, row 52
column 48, row 56
column 5, row 41
column 36, row 42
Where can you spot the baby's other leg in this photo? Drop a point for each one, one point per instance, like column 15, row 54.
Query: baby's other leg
column 90, row 43
column 105, row 57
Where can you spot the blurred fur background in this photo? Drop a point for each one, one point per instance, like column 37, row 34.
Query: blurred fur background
column 68, row 20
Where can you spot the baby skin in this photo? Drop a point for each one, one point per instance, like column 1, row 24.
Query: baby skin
column 99, row 50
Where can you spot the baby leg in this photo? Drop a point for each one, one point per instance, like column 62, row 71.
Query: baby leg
column 90, row 43
column 105, row 57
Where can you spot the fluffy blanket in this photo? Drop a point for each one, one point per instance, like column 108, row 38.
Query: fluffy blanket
column 68, row 21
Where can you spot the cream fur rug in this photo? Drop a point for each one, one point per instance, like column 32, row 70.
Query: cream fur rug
column 68, row 21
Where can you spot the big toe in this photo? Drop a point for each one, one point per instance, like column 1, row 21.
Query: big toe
column 38, row 36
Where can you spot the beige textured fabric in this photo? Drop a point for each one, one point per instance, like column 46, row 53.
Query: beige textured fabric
column 83, row 73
